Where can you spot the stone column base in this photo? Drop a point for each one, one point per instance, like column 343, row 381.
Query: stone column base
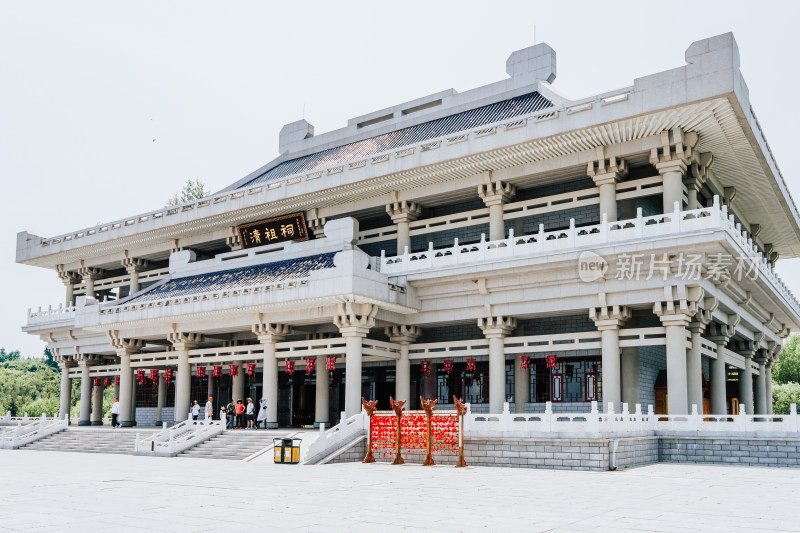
column 97, row 423
column 84, row 423
column 127, row 424
column 272, row 425
column 327, row 424
column 160, row 423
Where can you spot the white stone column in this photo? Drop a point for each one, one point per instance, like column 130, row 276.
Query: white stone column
column 69, row 279
column 494, row 195
column 746, row 350
column 403, row 335
column 630, row 375
column 761, row 384
column 675, row 314
column 495, row 329
column 97, row 404
column 606, row 173
column 183, row 342
column 768, row 384
column 522, row 385
column 90, row 275
column 671, row 160
column 133, row 266
column 162, row 398
column 694, row 358
column 65, row 398
column 268, row 334
column 403, row 213
column 132, row 417
column 354, row 322
column 720, row 334
column 84, row 363
column 322, row 403
column 238, row 383
column 608, row 320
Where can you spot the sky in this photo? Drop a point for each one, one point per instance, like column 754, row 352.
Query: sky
column 107, row 108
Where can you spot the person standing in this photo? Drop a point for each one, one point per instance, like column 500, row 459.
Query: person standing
column 195, row 410
column 250, row 411
column 115, row 413
column 230, row 411
column 239, row 414
column 210, row 409
column 262, row 413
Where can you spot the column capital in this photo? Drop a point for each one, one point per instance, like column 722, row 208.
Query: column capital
column 497, row 326
column 184, row 341
column 133, row 264
column 85, row 359
column 67, row 277
column 496, row 192
column 610, row 316
column 63, row 361
column 403, row 211
column 676, row 152
column 606, row 170
column 403, row 334
column 722, row 333
column 92, row 273
column 353, row 319
column 124, row 346
column 746, row 349
column 268, row 332
column 704, row 314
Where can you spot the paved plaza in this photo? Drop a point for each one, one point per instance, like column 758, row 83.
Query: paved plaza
column 55, row 491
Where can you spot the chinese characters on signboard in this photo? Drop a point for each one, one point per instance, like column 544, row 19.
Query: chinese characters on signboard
column 279, row 229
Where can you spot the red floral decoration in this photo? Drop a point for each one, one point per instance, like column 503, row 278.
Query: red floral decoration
column 425, row 367
column 251, row 369
column 290, row 367
column 447, row 365
column 116, row 381
column 140, row 377
column 311, row 365
column 217, row 371
column 330, row 363
column 154, row 375
column 167, row 375
column 470, row 365
column 525, row 362
column 552, row 360
column 201, row 372
column 106, row 382
column 234, row 370
column 96, row 382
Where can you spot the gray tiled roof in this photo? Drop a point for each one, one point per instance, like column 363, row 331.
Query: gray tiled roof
column 473, row 118
column 286, row 270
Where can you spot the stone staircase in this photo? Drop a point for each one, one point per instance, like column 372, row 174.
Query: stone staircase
column 88, row 440
column 236, row 444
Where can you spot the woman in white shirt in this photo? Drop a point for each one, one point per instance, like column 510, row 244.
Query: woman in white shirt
column 250, row 412
column 195, row 410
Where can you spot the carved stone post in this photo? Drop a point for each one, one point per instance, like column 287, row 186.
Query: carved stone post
column 494, row 195
column 608, row 320
column 671, row 160
column 354, row 322
column 183, row 342
column 496, row 328
column 125, row 348
column 606, row 173
column 402, row 213
column 403, row 335
column 268, row 334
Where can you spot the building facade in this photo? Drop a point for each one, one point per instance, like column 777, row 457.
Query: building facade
column 503, row 244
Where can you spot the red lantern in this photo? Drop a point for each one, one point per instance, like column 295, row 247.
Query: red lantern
column 201, row 372
column 107, row 382
column 251, row 369
column 425, row 367
column 470, row 365
column 290, row 367
column 311, row 365
column 330, row 363
column 96, row 382
column 233, row 370
column 217, row 371
column 140, row 377
column 524, row 362
column 167, row 375
column 552, row 360
column 116, row 381
column 154, row 375
column 447, row 365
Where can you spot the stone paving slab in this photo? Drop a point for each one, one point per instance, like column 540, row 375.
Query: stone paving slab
column 56, row 491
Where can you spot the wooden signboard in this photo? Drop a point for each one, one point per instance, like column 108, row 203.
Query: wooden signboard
column 279, row 229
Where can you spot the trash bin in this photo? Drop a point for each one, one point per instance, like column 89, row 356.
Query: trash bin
column 287, row 451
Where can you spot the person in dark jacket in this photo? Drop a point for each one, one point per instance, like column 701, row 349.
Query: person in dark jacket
column 230, row 413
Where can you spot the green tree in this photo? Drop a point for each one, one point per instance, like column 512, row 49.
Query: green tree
column 783, row 395
column 28, row 386
column 787, row 367
column 192, row 190
column 49, row 361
